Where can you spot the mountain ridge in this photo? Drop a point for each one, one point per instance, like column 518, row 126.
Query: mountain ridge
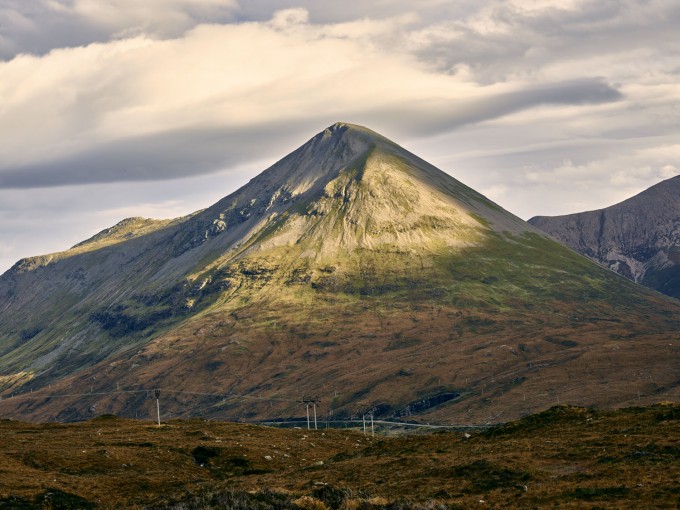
column 638, row 237
column 350, row 265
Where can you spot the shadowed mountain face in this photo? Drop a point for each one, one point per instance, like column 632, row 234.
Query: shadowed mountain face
column 638, row 238
column 350, row 270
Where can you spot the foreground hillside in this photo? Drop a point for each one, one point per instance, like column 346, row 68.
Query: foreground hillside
column 638, row 238
column 565, row 457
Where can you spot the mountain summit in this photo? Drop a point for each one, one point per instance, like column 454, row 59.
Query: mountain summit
column 351, row 270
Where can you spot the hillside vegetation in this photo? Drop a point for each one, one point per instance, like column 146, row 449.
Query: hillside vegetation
column 351, row 270
column 565, row 457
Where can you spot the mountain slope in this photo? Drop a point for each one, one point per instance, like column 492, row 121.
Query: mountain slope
column 638, row 238
column 351, row 270
column 160, row 275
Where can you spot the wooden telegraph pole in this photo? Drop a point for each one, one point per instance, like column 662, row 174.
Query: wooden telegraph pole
column 158, row 405
column 304, row 401
column 307, row 401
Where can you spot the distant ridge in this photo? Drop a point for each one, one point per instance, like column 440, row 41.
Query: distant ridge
column 638, row 238
column 352, row 271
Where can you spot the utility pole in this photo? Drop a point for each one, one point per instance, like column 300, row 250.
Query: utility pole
column 307, row 401
column 158, row 405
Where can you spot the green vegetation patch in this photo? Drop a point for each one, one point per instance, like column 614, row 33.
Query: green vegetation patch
column 223, row 463
column 53, row 499
column 485, row 476
column 599, row 493
column 557, row 415
column 231, row 500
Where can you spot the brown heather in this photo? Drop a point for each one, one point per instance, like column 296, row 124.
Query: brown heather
column 565, row 457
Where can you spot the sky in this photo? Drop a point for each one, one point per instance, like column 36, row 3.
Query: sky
column 157, row 108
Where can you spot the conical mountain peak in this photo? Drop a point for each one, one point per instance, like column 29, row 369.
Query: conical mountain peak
column 349, row 130
column 350, row 267
column 349, row 187
column 324, row 154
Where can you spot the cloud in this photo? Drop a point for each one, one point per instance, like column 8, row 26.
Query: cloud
column 164, row 17
column 167, row 155
column 627, row 167
column 332, row 11
column 549, row 107
column 622, row 173
column 434, row 119
column 194, row 151
column 40, row 26
column 505, row 40
column 141, row 108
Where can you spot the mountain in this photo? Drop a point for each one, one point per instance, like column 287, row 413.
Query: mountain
column 638, row 238
column 352, row 271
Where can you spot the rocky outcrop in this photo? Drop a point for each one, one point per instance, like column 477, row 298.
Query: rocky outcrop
column 638, row 238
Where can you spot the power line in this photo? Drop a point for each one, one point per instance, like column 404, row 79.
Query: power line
column 36, row 395
column 487, row 384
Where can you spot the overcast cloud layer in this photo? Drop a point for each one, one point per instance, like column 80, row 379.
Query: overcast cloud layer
column 158, row 108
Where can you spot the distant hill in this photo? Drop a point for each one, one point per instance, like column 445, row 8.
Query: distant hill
column 638, row 238
column 352, row 272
